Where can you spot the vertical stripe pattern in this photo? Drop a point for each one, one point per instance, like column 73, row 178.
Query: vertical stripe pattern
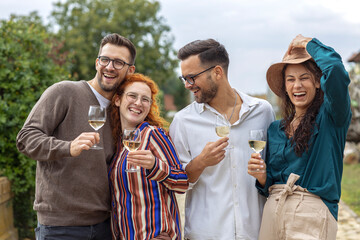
column 144, row 203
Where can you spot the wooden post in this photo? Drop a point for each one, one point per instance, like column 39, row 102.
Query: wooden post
column 7, row 230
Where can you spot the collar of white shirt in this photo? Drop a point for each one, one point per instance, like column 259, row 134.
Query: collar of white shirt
column 248, row 103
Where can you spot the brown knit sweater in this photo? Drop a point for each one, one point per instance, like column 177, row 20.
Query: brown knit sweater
column 70, row 191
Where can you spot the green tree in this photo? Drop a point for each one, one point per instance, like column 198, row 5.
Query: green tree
column 83, row 23
column 177, row 89
column 30, row 61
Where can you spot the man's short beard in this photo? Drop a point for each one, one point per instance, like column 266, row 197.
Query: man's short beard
column 107, row 88
column 208, row 95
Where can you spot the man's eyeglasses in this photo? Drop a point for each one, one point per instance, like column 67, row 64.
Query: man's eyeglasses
column 133, row 97
column 191, row 78
column 117, row 63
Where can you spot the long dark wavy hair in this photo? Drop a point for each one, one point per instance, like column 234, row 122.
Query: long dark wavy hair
column 304, row 131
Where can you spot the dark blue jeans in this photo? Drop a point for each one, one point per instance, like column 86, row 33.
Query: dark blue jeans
column 100, row 231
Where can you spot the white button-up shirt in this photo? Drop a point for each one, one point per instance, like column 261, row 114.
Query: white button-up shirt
column 224, row 203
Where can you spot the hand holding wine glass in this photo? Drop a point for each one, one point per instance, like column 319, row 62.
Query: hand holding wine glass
column 132, row 139
column 257, row 142
column 143, row 158
column 257, row 168
column 97, row 118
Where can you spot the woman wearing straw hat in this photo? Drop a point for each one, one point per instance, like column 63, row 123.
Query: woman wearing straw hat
column 305, row 149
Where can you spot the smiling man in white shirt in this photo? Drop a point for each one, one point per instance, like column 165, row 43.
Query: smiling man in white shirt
column 222, row 202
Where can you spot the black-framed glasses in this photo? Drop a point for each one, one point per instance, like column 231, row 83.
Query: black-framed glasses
column 191, row 78
column 117, row 63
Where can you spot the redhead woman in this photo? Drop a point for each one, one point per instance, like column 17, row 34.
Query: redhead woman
column 144, row 205
column 304, row 154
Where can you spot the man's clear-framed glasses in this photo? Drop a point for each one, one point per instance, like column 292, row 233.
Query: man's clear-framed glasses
column 191, row 78
column 117, row 63
column 133, row 97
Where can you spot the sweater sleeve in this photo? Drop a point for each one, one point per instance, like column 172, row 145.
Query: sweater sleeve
column 36, row 139
column 167, row 169
column 334, row 81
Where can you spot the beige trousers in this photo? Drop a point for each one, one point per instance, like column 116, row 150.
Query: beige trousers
column 292, row 213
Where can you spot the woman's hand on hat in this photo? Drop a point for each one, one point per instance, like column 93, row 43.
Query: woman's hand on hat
column 298, row 42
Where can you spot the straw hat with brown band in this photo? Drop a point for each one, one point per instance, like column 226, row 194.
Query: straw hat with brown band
column 274, row 74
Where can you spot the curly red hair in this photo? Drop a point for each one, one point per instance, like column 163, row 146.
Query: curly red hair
column 153, row 117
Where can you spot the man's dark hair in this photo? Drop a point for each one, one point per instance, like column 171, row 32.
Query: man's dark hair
column 210, row 52
column 121, row 41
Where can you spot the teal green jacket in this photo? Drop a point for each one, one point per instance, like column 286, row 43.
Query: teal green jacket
column 320, row 168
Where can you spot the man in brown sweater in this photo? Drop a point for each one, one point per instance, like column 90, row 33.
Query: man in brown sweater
column 72, row 196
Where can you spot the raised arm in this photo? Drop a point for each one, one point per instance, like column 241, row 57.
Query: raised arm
column 335, row 79
column 334, row 82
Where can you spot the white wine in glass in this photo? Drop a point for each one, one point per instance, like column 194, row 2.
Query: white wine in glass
column 97, row 118
column 132, row 139
column 257, row 142
column 256, row 145
column 96, row 124
column 222, row 131
column 222, row 127
column 131, row 145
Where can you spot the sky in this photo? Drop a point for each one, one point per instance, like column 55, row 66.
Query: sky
column 255, row 33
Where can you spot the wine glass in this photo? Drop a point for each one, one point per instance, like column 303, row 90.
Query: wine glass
column 257, row 142
column 97, row 118
column 132, row 139
column 222, row 127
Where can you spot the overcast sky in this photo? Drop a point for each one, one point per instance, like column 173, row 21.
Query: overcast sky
column 256, row 33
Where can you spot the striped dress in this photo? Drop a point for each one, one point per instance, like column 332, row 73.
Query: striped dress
column 144, row 203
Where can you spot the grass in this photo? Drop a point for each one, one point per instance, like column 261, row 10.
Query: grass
column 350, row 187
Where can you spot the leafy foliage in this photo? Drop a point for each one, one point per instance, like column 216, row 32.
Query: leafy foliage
column 33, row 57
column 29, row 62
column 83, row 23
